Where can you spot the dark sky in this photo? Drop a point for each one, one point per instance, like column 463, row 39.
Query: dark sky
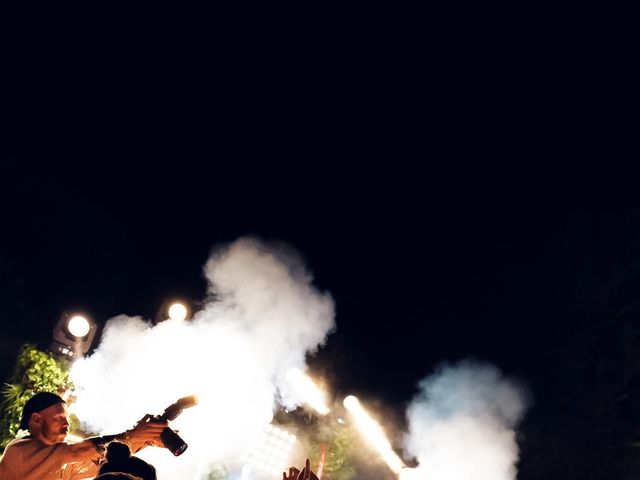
column 417, row 278
column 414, row 186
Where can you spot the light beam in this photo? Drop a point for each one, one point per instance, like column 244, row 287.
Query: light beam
column 373, row 434
column 308, row 391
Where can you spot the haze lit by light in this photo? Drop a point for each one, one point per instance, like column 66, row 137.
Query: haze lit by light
column 263, row 317
column 303, row 386
column 373, row 434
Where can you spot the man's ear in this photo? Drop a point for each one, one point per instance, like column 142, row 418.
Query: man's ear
column 36, row 419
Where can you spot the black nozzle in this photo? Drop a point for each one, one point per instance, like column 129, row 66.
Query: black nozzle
column 172, row 411
column 173, row 442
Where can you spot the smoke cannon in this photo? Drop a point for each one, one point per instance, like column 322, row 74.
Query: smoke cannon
column 171, row 440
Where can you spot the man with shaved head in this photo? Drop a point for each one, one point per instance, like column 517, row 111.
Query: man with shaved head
column 43, row 454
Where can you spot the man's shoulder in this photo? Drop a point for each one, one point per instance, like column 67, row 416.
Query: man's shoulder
column 28, row 444
column 28, row 458
column 20, row 445
column 21, row 442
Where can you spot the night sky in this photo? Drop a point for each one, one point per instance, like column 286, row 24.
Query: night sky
column 415, row 281
column 115, row 188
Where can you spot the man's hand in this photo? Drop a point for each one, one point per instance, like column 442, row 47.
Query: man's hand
column 146, row 432
column 295, row 474
column 306, row 473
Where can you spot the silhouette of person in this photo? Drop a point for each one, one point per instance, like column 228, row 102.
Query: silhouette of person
column 119, row 459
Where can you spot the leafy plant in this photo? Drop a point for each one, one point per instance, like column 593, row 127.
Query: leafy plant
column 35, row 371
column 338, row 448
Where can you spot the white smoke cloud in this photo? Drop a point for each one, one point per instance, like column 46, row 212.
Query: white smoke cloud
column 262, row 318
column 462, row 424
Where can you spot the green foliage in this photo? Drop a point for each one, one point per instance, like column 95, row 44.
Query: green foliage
column 35, row 371
column 339, row 448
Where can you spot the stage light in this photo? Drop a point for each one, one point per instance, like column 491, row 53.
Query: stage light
column 73, row 334
column 177, row 311
column 351, row 403
column 78, row 326
column 308, row 391
column 373, row 434
column 270, row 452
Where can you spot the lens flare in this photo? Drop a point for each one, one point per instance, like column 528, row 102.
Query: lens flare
column 307, row 390
column 373, row 434
column 78, row 326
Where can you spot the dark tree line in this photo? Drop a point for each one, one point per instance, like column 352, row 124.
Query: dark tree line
column 586, row 420
column 15, row 315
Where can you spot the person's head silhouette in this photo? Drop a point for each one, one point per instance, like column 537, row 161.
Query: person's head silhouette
column 119, row 459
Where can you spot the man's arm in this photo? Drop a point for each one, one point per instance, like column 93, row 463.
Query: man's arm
column 144, row 433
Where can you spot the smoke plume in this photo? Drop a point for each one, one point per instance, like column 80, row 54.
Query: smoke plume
column 461, row 424
column 262, row 317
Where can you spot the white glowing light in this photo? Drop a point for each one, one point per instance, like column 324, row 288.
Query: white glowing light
column 78, row 326
column 271, row 452
column 308, row 391
column 351, row 403
column 373, row 434
column 177, row 312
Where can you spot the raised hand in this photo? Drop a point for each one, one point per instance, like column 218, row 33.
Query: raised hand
column 306, row 473
column 146, row 432
column 293, row 474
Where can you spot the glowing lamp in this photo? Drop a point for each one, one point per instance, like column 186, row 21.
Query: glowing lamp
column 78, row 326
column 73, row 335
column 177, row 311
column 351, row 403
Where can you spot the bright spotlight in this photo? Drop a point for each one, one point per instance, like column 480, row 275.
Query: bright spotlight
column 177, row 311
column 78, row 326
column 308, row 391
column 351, row 403
column 373, row 434
column 73, row 334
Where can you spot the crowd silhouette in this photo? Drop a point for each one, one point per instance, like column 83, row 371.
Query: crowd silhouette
column 121, row 464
